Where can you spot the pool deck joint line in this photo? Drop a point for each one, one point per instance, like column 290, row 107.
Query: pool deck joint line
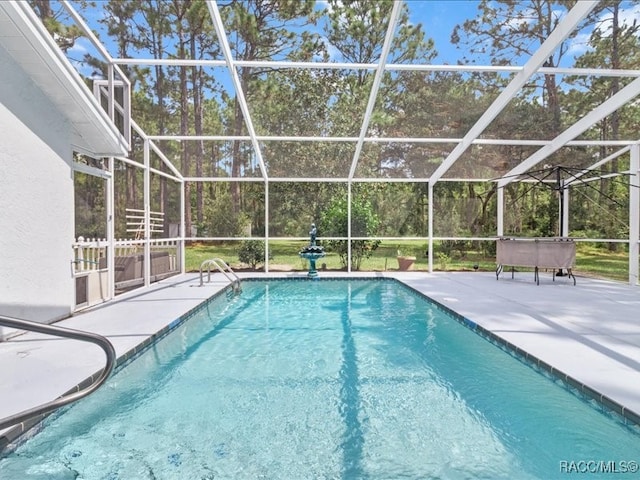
column 585, row 336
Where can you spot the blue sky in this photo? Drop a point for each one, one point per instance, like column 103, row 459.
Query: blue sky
column 438, row 17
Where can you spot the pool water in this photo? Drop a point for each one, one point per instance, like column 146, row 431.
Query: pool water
column 329, row 379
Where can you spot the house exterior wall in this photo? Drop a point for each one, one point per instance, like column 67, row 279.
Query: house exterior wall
column 36, row 202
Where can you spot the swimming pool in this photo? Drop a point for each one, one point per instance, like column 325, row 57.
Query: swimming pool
column 298, row 379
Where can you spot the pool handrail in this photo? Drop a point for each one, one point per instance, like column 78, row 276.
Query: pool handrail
column 66, row 399
column 226, row 270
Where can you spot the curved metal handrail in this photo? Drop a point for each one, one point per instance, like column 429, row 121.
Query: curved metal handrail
column 226, row 270
column 48, row 407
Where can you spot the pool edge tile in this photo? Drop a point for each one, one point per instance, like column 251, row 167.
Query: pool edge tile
column 579, row 389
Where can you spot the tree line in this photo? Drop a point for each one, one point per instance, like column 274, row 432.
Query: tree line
column 200, row 100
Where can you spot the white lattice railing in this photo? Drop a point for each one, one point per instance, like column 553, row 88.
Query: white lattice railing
column 90, row 252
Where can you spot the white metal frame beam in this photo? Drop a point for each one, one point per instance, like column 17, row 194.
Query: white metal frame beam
column 559, row 34
column 244, row 107
column 625, row 95
column 604, row 72
column 403, row 140
column 156, row 149
column 598, row 164
column 375, row 87
column 89, row 170
column 634, row 215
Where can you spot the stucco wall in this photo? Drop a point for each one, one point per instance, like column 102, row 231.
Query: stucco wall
column 36, row 201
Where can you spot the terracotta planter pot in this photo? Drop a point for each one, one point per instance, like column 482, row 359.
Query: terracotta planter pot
column 406, row 263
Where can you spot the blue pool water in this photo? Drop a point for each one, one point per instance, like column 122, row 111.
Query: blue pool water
column 347, row 379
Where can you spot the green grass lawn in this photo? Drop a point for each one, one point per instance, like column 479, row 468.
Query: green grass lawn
column 599, row 262
column 591, row 261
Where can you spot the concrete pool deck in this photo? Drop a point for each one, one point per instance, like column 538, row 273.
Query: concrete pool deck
column 590, row 331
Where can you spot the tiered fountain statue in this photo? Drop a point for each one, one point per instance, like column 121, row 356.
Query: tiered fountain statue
column 312, row 252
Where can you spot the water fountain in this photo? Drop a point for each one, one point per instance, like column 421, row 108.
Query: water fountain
column 312, row 252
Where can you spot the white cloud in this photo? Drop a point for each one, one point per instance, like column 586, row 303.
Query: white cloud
column 529, row 16
column 334, row 53
column 79, row 48
column 323, row 5
column 579, row 44
column 626, row 16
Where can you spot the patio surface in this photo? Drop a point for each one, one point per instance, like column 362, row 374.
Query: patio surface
column 590, row 331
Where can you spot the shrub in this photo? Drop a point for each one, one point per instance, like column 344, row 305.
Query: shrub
column 443, row 260
column 335, row 223
column 251, row 252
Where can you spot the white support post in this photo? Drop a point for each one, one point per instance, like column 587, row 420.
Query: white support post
column 147, row 210
column 634, row 214
column 126, row 96
column 111, row 231
column 565, row 209
column 181, row 234
column 500, row 213
column 349, row 197
column 110, row 98
column 266, row 226
column 430, row 225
